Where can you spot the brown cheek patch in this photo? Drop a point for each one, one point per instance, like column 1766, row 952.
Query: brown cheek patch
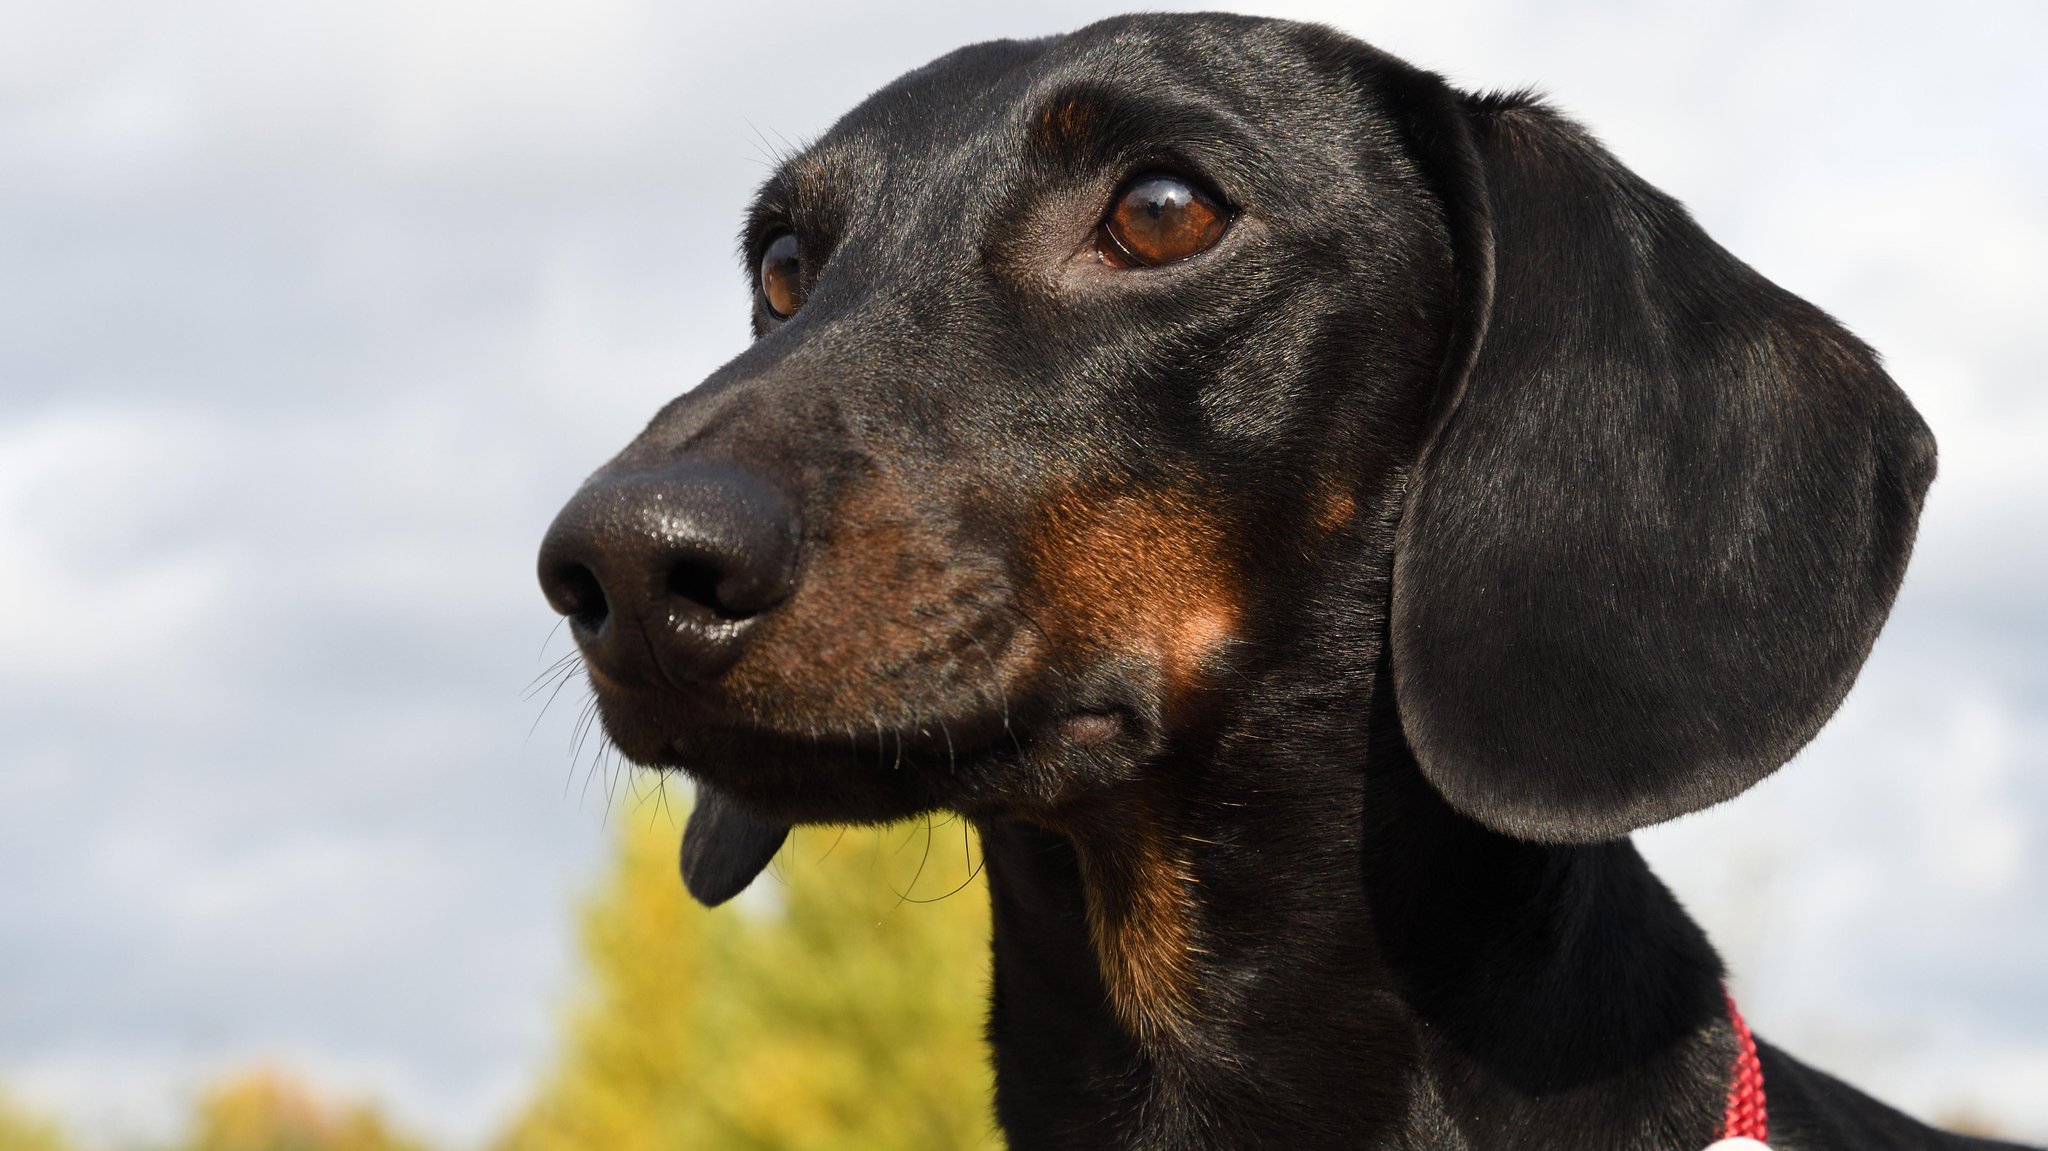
column 1146, row 574
column 1136, row 574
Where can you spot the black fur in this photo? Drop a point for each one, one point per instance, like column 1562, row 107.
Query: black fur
column 1304, row 624
column 1646, row 555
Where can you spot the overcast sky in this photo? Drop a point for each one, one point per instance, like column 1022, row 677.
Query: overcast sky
column 312, row 314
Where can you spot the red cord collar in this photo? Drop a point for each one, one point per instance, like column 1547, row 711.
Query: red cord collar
column 1745, row 1117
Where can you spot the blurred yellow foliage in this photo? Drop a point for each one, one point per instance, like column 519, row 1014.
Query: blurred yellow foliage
column 24, row 1130
column 267, row 1110
column 834, row 1013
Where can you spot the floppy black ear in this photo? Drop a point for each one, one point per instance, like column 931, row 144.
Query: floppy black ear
column 724, row 848
column 1663, row 509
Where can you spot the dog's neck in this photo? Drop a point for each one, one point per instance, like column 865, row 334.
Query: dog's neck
column 1286, row 948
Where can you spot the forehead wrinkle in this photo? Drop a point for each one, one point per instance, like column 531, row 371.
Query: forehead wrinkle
column 1090, row 121
column 893, row 201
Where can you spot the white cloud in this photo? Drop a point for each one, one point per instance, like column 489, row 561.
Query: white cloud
column 96, row 595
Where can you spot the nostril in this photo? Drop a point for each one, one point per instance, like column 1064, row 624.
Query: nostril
column 576, row 593
column 698, row 582
column 727, row 595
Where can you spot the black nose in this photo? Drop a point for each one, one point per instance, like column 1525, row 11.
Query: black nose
column 663, row 573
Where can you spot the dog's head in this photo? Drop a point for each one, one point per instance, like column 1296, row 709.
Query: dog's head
column 1098, row 379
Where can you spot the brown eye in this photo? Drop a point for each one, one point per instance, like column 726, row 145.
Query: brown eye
column 1158, row 219
column 782, row 283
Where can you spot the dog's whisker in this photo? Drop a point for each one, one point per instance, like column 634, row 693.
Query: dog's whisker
column 661, row 805
column 568, row 675
column 835, row 844
column 903, row 896
column 581, row 730
column 967, row 854
column 572, row 659
column 550, row 638
column 995, row 677
column 609, row 764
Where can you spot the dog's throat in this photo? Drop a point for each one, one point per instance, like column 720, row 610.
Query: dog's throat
column 1143, row 921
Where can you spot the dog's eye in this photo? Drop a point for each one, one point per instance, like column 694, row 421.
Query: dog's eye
column 1158, row 219
column 782, row 284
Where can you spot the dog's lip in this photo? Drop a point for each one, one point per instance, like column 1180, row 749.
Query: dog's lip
column 956, row 738
column 1039, row 742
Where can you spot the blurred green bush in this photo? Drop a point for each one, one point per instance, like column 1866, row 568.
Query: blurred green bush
column 840, row 1007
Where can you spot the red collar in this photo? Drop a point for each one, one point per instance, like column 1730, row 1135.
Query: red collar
column 1745, row 1118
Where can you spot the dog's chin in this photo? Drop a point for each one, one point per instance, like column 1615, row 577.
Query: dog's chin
column 1036, row 755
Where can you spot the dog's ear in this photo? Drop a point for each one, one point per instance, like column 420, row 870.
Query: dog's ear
column 724, row 848
column 1662, row 509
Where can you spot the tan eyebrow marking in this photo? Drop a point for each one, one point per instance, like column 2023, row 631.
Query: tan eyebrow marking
column 1338, row 509
column 1066, row 123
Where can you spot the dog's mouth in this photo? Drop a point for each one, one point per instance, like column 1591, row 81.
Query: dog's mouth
column 1031, row 748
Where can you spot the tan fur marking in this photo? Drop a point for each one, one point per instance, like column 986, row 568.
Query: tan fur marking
column 1140, row 888
column 1066, row 123
column 1337, row 511
column 1140, row 574
column 1145, row 574
column 877, row 626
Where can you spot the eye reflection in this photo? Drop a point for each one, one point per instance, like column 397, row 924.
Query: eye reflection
column 782, row 284
column 1159, row 218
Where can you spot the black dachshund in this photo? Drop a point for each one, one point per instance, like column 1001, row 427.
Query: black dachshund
column 1306, row 516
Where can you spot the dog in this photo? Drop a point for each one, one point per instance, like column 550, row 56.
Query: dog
column 1306, row 517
